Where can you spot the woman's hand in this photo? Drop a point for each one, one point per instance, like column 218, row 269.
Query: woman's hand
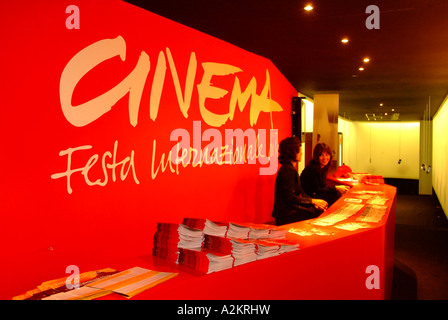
column 341, row 189
column 320, row 204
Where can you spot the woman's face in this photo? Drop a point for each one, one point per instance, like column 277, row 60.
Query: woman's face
column 299, row 155
column 324, row 158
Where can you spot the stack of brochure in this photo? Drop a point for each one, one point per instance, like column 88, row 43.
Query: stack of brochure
column 216, row 228
column 166, row 241
column 285, row 245
column 209, row 246
column 196, row 223
column 243, row 251
column 267, row 248
column 255, row 231
column 204, row 260
column 171, row 236
column 190, row 238
column 238, row 230
column 265, row 231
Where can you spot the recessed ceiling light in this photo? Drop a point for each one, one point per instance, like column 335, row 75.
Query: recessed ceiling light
column 393, row 109
column 344, row 40
column 366, row 60
column 308, row 7
column 381, row 104
column 361, row 69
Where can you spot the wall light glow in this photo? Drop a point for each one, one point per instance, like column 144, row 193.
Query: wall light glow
column 308, row 7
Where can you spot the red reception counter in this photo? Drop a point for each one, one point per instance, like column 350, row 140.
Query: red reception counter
column 344, row 254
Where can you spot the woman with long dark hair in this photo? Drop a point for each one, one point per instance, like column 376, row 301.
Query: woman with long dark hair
column 314, row 176
column 291, row 203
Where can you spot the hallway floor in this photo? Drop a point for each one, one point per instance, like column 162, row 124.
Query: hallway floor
column 421, row 249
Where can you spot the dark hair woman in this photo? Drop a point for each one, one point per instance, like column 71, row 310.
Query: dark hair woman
column 314, row 176
column 291, row 203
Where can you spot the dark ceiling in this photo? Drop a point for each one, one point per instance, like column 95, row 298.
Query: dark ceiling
column 408, row 67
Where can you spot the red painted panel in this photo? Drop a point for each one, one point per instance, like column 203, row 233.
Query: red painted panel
column 109, row 208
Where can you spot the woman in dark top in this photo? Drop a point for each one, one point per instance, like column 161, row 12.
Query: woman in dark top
column 291, row 203
column 314, row 176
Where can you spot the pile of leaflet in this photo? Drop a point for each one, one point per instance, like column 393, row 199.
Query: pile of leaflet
column 210, row 246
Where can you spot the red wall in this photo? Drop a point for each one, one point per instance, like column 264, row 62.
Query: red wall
column 48, row 224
